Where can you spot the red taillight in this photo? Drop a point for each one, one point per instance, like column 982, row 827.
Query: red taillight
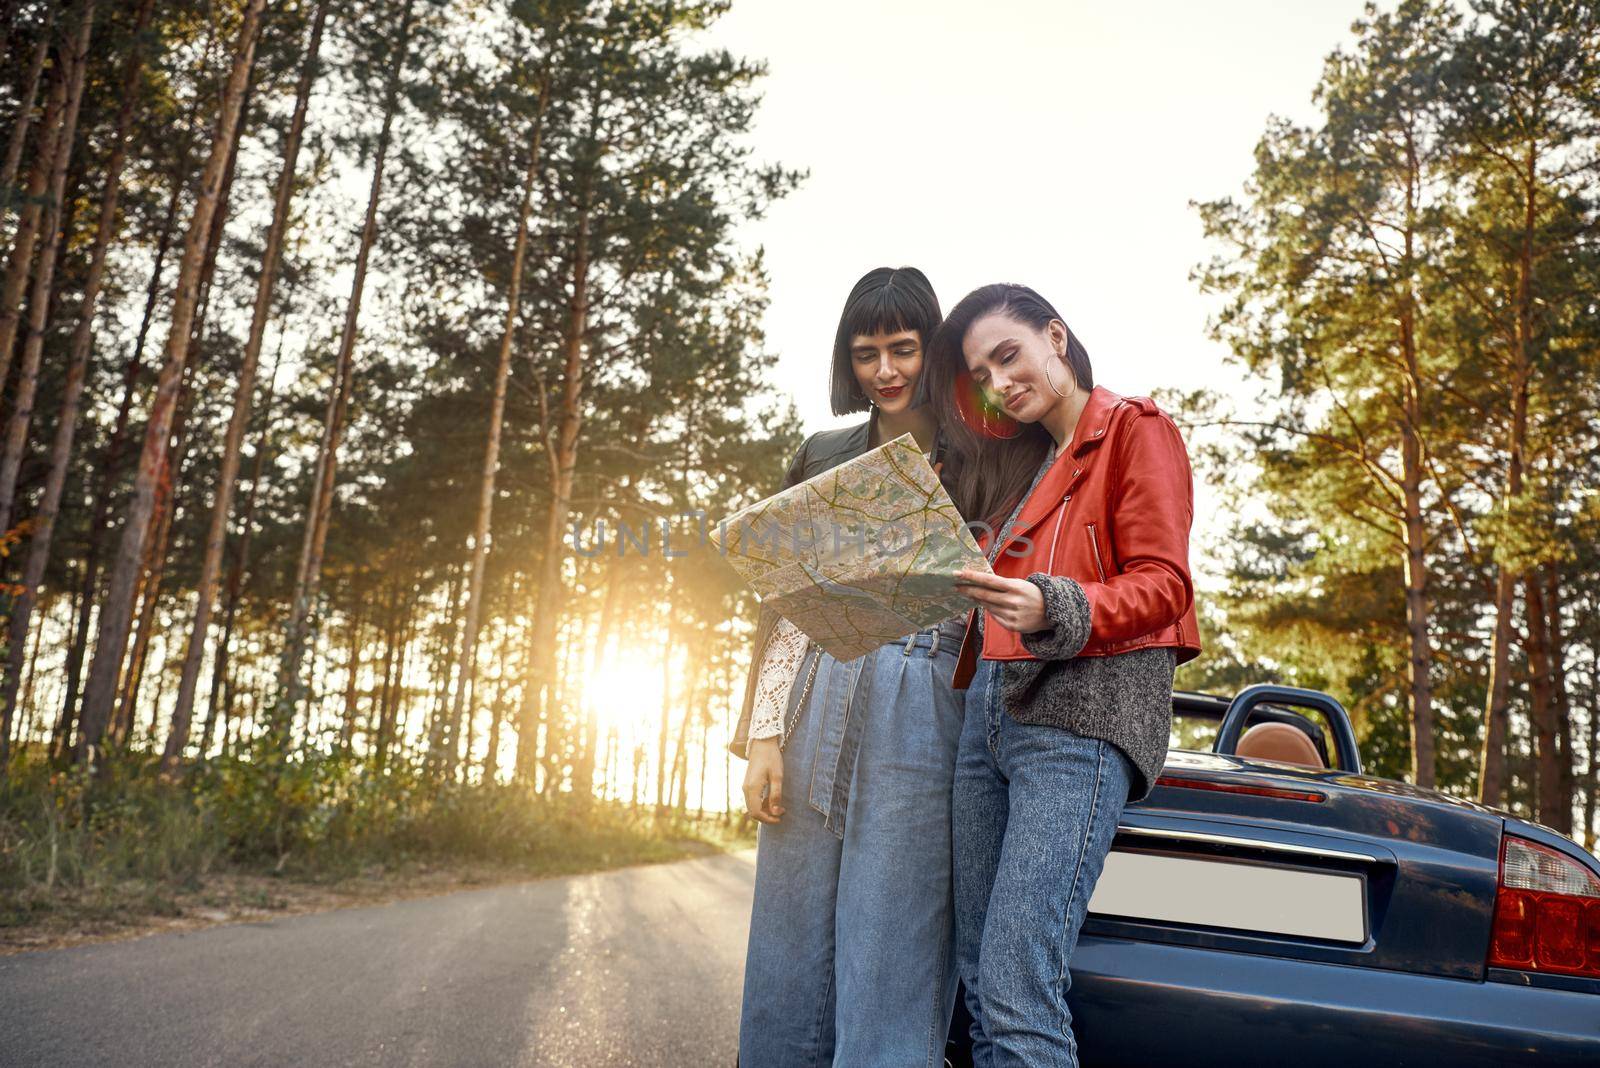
column 1546, row 912
column 1179, row 783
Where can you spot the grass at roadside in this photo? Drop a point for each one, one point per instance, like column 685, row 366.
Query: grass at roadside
column 240, row 838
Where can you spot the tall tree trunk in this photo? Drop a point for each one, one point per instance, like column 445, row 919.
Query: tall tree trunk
column 527, row 719
column 1414, row 532
column 235, row 584
column 241, row 553
column 55, row 217
column 491, row 756
column 24, row 120
column 389, row 709
column 613, row 761
column 705, row 758
column 1541, row 714
column 37, row 715
column 110, row 460
column 347, row 726
column 459, row 750
column 662, row 783
column 566, row 696
column 497, row 407
column 157, row 542
column 20, row 265
column 691, row 703
column 112, row 455
column 244, row 392
column 1591, row 764
column 380, row 712
column 583, row 775
column 446, row 661
column 561, row 447
column 33, row 674
column 1492, row 773
column 230, row 722
column 1420, row 644
column 77, row 369
column 308, row 572
column 160, row 674
column 1560, row 706
column 1491, row 776
column 401, row 696
column 117, row 612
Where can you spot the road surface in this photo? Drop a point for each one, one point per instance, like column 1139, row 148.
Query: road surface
column 641, row 966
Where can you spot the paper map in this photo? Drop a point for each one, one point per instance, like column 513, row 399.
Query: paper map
column 861, row 554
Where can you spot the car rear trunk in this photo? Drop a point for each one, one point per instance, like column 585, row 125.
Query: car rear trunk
column 1254, row 857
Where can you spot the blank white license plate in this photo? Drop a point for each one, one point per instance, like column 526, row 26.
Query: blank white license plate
column 1247, row 897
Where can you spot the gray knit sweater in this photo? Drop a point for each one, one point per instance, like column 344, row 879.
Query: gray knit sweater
column 1124, row 699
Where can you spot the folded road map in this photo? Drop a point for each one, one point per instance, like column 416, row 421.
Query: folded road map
column 861, row 554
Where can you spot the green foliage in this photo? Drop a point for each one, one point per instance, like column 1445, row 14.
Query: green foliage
column 62, row 829
column 132, row 837
column 1409, row 277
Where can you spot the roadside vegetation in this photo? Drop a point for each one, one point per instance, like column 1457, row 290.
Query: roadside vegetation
column 253, row 833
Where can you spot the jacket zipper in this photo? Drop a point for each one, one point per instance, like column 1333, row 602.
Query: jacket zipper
column 1094, row 543
column 1056, row 534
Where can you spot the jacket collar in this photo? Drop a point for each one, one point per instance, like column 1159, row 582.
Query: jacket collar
column 1094, row 421
column 1092, row 428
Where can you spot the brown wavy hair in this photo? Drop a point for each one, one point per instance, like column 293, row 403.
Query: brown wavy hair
column 991, row 474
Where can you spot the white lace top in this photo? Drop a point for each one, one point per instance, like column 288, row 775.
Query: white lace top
column 780, row 666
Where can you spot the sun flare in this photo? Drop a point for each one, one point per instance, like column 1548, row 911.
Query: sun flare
column 624, row 693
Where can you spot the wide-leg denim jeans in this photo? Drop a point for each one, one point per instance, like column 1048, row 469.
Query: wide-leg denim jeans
column 1035, row 810
column 850, row 959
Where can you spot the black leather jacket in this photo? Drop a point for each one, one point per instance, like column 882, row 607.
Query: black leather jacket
column 818, row 453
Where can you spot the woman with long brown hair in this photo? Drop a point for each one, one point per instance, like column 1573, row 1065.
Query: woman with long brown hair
column 1085, row 499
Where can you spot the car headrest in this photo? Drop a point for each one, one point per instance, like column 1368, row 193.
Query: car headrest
column 1280, row 742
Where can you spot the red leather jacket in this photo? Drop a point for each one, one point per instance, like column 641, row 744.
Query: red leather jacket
column 1113, row 512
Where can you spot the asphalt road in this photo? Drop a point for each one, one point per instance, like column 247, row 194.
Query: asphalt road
column 641, row 966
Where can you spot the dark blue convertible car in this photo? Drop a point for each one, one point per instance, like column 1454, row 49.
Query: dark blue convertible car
column 1269, row 904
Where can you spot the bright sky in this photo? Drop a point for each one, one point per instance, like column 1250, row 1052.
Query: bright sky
column 1053, row 144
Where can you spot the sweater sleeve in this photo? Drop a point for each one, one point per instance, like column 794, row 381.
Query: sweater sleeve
column 1067, row 609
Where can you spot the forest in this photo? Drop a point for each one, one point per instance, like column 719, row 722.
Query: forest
column 325, row 327
column 321, row 319
column 1412, row 283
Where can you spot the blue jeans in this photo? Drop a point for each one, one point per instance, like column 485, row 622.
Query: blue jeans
column 850, row 958
column 1035, row 810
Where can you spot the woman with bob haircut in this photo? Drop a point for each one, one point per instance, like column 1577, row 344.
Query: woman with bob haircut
column 1085, row 499
column 850, row 960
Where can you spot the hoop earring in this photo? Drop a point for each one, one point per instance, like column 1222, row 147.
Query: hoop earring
column 1062, row 357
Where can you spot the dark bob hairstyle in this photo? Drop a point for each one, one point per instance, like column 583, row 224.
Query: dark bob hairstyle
column 994, row 468
column 886, row 300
